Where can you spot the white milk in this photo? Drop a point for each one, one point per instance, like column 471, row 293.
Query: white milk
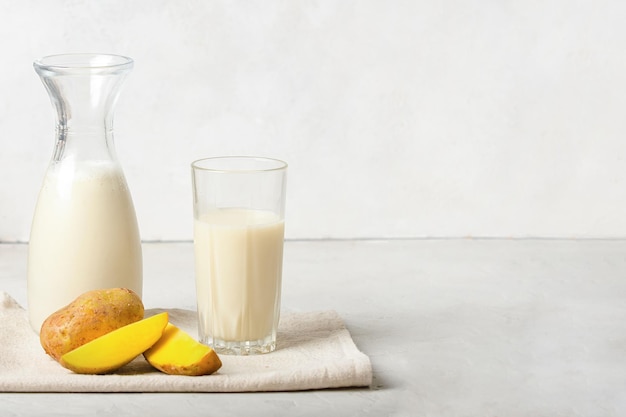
column 239, row 256
column 84, row 236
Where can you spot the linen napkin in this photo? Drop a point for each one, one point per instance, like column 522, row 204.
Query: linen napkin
column 314, row 351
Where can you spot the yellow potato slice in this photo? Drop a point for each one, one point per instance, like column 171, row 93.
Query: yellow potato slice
column 177, row 353
column 117, row 348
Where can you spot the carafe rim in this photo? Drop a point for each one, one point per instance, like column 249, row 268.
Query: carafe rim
column 82, row 63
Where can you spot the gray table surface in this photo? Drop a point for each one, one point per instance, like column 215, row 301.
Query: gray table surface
column 452, row 327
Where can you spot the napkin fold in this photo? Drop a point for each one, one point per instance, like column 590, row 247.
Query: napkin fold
column 314, row 351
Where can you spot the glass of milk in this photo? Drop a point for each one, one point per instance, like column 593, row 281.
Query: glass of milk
column 239, row 208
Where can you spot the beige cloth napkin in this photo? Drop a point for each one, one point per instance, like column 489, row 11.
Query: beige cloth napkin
column 314, row 351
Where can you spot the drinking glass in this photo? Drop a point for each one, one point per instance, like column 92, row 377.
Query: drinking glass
column 239, row 207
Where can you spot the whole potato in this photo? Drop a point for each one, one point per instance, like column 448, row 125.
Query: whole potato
column 89, row 316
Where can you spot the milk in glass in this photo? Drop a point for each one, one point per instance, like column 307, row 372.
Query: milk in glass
column 238, row 255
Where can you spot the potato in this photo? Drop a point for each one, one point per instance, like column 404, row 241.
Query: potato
column 88, row 317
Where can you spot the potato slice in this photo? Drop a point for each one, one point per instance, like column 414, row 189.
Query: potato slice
column 117, row 348
column 177, row 353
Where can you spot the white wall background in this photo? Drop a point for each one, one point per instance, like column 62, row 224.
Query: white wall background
column 398, row 118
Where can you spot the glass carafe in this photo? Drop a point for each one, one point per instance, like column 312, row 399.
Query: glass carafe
column 84, row 234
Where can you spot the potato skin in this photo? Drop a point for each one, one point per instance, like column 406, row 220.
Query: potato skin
column 89, row 316
column 206, row 366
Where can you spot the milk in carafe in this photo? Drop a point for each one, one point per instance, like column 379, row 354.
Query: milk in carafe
column 84, row 236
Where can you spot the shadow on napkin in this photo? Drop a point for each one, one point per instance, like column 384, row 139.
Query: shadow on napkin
column 314, row 351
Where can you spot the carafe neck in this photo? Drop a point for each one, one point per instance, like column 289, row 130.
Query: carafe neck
column 83, row 89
